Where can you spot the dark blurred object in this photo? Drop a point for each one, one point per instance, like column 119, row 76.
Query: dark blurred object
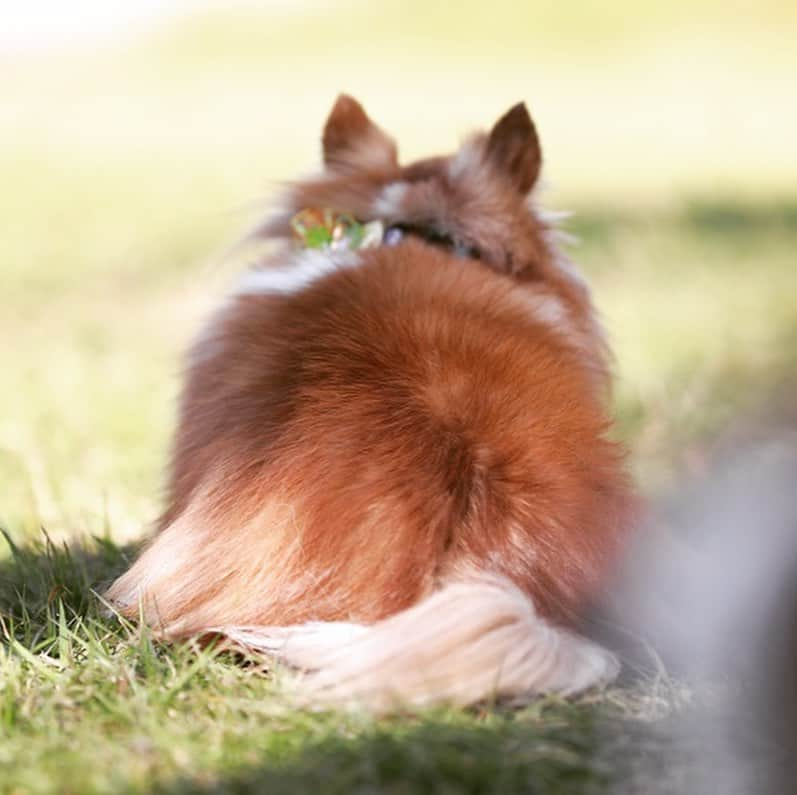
column 710, row 596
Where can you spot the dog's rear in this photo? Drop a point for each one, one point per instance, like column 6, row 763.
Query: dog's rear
column 391, row 466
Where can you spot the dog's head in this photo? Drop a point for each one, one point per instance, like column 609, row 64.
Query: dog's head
column 474, row 203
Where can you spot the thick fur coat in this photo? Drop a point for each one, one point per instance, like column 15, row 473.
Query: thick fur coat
column 391, row 467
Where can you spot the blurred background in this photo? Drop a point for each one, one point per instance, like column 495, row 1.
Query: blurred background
column 138, row 140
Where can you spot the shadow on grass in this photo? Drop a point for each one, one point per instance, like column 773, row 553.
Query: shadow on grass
column 493, row 753
column 41, row 578
column 564, row 750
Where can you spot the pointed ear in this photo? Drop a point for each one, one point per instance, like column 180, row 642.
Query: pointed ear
column 353, row 142
column 514, row 149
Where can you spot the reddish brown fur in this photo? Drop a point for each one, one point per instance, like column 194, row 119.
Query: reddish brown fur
column 345, row 449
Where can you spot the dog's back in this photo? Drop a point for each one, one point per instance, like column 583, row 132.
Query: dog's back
column 396, row 435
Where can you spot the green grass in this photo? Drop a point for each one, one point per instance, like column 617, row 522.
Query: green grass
column 90, row 704
column 127, row 170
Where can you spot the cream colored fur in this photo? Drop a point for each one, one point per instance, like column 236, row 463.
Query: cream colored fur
column 468, row 642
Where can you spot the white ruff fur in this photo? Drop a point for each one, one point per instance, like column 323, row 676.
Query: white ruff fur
column 388, row 203
column 306, row 267
column 467, row 642
column 550, row 311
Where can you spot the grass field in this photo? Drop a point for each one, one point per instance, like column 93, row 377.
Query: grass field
column 128, row 167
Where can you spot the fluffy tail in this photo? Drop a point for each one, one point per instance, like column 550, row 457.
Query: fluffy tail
column 467, row 642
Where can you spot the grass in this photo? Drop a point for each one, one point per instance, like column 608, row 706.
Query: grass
column 88, row 704
column 126, row 171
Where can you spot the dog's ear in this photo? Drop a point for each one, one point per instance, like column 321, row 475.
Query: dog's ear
column 514, row 149
column 353, row 142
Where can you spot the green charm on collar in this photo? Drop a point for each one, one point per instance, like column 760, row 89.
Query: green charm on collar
column 322, row 228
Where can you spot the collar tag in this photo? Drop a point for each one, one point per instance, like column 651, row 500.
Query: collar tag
column 323, row 228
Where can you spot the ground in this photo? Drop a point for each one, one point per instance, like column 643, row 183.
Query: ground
column 125, row 174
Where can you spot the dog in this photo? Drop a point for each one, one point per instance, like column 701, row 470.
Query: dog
column 391, row 468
